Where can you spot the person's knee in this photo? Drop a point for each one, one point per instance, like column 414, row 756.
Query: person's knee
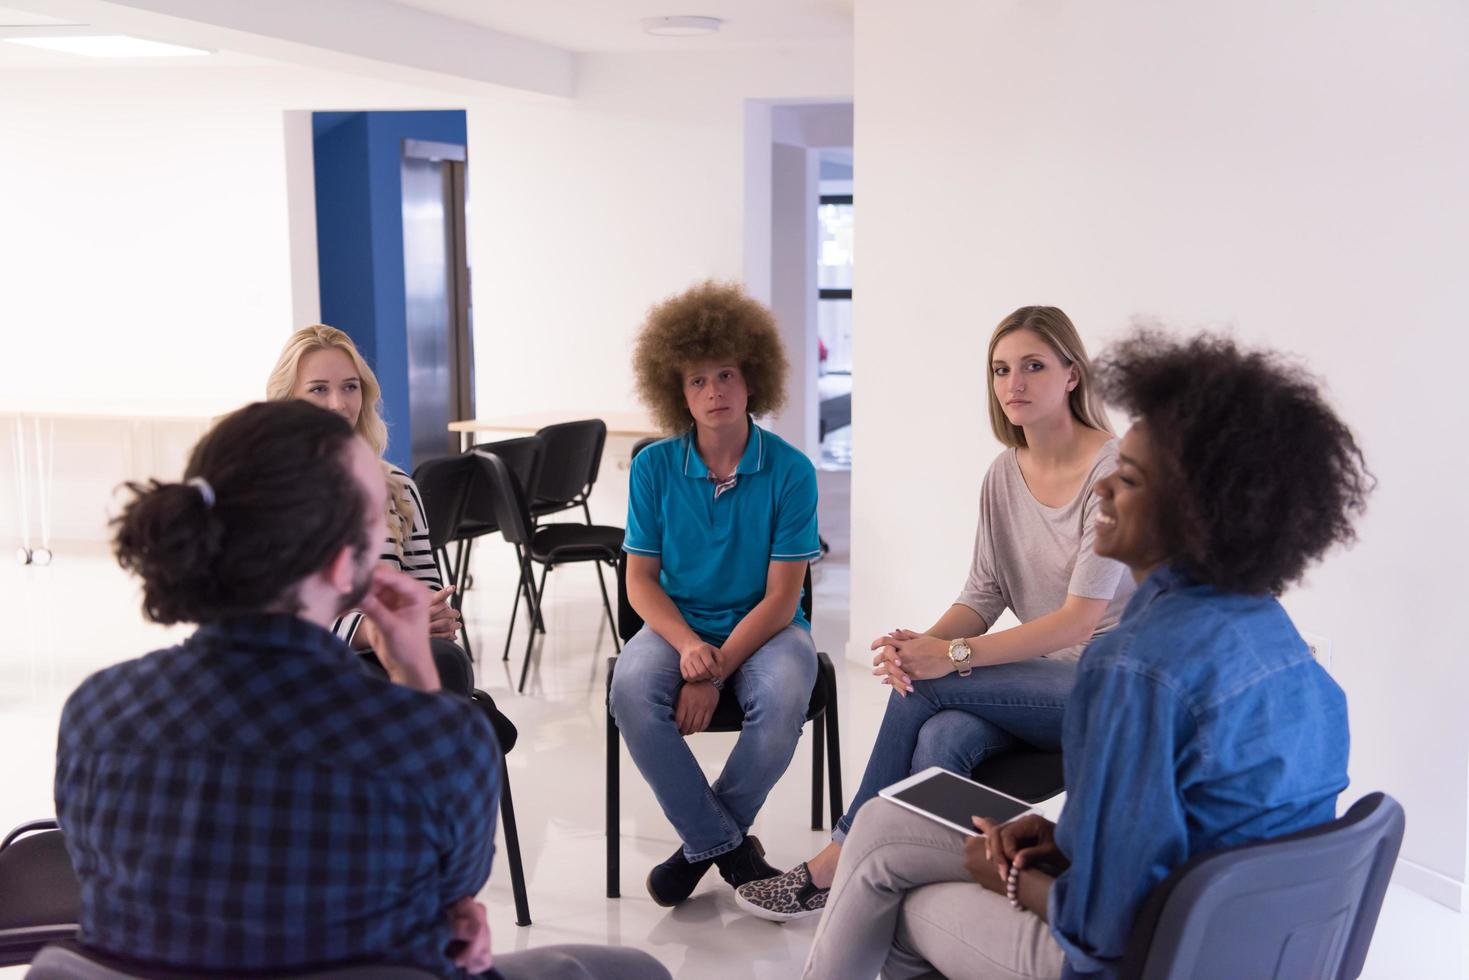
column 641, row 686
column 956, row 741
column 456, row 675
column 876, row 822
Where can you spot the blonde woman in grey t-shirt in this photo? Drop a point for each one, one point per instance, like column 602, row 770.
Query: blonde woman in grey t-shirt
column 961, row 693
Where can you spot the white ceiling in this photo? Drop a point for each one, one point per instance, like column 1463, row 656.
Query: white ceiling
column 616, row 25
column 567, row 25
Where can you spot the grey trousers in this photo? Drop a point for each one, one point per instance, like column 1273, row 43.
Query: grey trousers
column 902, row 904
column 579, row 963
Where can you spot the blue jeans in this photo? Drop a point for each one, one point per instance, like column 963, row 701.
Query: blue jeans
column 773, row 686
column 957, row 722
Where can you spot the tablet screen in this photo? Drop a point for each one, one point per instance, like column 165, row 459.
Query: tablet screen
column 947, row 796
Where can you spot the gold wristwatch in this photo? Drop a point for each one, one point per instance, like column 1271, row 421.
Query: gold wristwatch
column 959, row 654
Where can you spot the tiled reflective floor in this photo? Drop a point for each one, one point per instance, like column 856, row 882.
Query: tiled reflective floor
column 61, row 623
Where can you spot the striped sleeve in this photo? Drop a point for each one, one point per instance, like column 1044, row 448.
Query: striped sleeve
column 418, row 555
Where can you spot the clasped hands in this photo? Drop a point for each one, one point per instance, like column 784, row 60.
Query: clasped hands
column 905, row 656
column 698, row 662
column 1026, row 841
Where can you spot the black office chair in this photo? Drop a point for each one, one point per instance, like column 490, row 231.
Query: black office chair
column 1024, row 772
column 1303, row 905
column 728, row 717
column 507, row 735
column 40, row 899
column 569, row 465
column 443, row 485
column 458, row 507
column 548, row 546
column 71, row 960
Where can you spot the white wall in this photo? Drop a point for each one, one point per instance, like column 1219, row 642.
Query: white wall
column 158, row 235
column 146, row 240
column 794, row 236
column 1294, row 170
column 585, row 213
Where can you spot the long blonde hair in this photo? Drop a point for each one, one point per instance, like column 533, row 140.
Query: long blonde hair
column 1059, row 333
column 281, row 385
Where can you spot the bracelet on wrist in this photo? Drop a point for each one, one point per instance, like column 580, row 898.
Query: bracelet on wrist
column 1012, row 885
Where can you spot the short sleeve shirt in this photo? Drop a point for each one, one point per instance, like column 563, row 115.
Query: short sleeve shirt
column 716, row 551
column 1029, row 557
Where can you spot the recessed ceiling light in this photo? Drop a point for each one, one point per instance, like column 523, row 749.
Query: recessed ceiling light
column 109, row 46
column 681, row 26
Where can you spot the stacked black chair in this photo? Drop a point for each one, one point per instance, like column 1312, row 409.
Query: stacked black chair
column 443, row 486
column 570, row 463
column 548, row 546
column 40, row 899
column 459, row 507
column 728, row 717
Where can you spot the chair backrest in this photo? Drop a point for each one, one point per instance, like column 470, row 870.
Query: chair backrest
column 629, row 622
column 642, row 444
column 507, row 495
column 72, row 961
column 522, row 455
column 443, row 485
column 571, row 459
column 1304, row 905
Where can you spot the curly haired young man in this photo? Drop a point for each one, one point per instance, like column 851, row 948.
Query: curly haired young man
column 721, row 523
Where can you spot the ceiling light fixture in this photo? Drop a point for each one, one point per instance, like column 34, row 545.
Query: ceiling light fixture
column 681, row 26
column 109, row 46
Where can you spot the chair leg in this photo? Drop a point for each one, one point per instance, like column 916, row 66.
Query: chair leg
column 443, row 566
column 834, row 756
column 614, row 807
column 535, row 600
column 512, row 845
column 515, row 608
column 607, row 605
column 540, row 623
column 461, row 571
column 818, row 748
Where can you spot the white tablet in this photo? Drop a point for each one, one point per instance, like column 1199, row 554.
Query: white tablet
column 952, row 800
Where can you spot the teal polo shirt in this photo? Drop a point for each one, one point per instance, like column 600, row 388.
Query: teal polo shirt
column 715, row 554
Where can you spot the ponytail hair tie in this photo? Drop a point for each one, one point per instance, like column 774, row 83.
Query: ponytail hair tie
column 205, row 490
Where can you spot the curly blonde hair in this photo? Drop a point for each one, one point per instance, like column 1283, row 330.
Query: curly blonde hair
column 713, row 321
column 281, row 385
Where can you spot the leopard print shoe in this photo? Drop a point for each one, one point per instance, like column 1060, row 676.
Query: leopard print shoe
column 784, row 897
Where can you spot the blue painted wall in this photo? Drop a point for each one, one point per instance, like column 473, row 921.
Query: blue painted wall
column 359, row 240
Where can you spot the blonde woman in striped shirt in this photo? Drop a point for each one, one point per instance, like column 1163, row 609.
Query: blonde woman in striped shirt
column 321, row 364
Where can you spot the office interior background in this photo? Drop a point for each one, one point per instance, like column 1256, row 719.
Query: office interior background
column 1292, row 172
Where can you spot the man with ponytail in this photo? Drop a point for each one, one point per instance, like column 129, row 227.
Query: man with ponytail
column 253, row 799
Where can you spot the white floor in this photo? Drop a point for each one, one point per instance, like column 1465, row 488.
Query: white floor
column 80, row 614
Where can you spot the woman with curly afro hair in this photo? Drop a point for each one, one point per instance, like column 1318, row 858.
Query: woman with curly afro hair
column 1202, row 722
column 721, row 522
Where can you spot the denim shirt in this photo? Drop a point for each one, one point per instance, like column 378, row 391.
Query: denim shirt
column 1202, row 721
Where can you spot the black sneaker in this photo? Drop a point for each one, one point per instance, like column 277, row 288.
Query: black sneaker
column 675, row 879
column 745, row 863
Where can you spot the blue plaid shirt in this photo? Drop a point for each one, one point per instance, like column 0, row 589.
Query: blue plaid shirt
column 252, row 799
column 1200, row 722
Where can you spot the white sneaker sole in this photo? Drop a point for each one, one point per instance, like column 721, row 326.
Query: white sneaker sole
column 770, row 915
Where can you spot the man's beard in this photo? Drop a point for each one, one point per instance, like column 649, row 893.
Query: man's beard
column 361, row 581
